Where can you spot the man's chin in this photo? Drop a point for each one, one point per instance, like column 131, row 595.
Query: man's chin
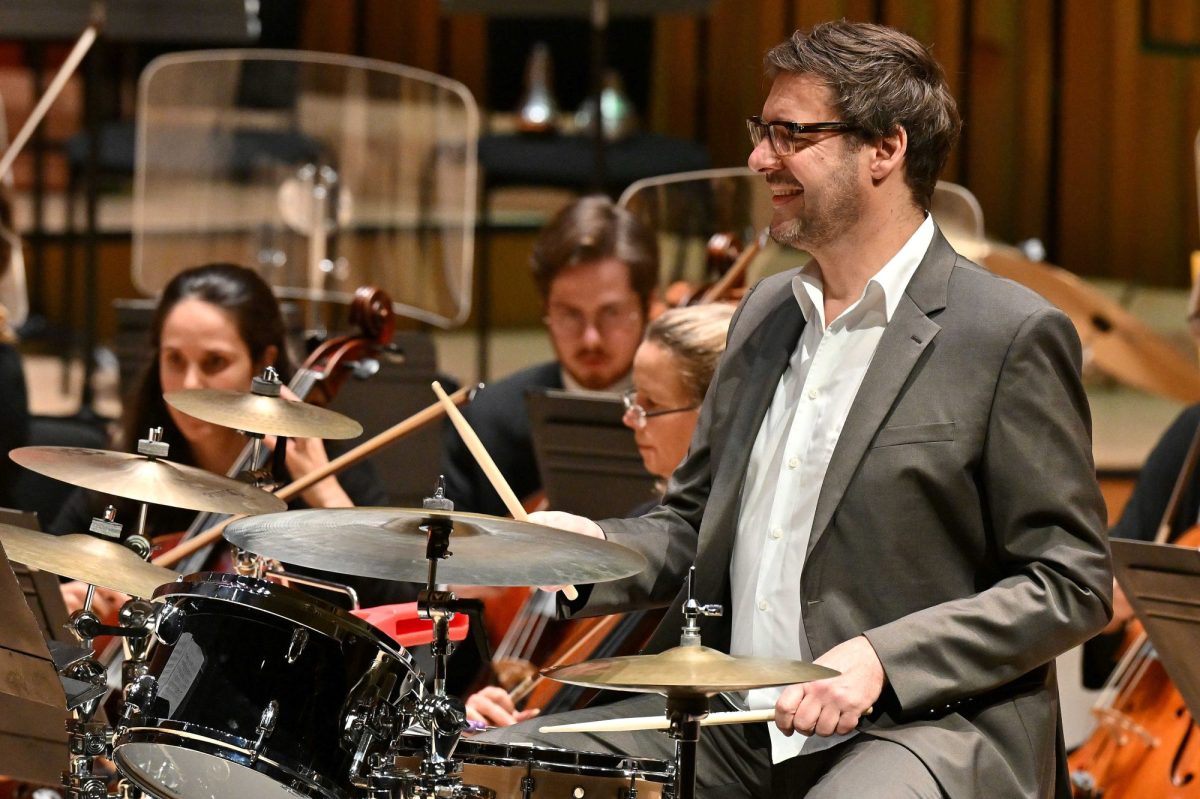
column 595, row 381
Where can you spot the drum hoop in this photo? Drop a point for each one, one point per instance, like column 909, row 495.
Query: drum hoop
column 285, row 603
column 518, row 754
column 215, row 743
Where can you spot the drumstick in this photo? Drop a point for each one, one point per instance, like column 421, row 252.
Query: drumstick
column 661, row 723
column 489, row 467
column 393, row 433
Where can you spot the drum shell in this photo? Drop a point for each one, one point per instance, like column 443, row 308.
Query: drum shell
column 228, row 646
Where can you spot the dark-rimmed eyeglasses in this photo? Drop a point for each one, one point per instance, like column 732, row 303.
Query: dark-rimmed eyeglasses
column 640, row 414
column 787, row 137
column 608, row 320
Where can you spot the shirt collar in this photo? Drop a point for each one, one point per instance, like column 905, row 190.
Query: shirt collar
column 887, row 284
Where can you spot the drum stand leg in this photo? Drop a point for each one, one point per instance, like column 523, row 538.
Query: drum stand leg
column 685, row 713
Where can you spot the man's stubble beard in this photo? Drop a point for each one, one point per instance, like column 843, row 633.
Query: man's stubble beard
column 837, row 212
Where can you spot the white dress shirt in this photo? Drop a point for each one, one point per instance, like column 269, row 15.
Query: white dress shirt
column 788, row 463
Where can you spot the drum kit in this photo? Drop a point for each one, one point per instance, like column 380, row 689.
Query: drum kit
column 235, row 685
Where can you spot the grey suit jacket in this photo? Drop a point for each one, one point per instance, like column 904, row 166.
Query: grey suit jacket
column 959, row 527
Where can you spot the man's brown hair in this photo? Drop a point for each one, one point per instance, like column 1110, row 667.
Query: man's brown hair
column 594, row 229
column 880, row 79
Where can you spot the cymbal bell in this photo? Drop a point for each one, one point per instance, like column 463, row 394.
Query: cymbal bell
column 687, row 671
column 84, row 557
column 263, row 415
column 143, row 479
column 389, row 543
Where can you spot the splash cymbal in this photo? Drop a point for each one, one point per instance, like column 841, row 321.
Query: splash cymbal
column 143, row 479
column 264, row 415
column 687, row 671
column 84, row 557
column 389, row 543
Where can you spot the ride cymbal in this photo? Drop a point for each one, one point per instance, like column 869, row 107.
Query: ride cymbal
column 687, row 671
column 83, row 557
column 389, row 543
column 264, row 415
column 143, row 479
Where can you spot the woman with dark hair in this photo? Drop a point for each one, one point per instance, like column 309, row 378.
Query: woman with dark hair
column 216, row 327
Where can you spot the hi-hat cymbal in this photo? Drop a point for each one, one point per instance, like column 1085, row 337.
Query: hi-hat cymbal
column 268, row 416
column 137, row 477
column 1117, row 342
column 389, row 543
column 82, row 557
column 687, row 671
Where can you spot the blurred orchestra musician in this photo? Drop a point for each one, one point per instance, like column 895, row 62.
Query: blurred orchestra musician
column 216, row 327
column 595, row 267
column 671, row 372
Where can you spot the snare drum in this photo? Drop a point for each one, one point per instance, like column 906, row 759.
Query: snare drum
column 525, row 771
column 257, row 691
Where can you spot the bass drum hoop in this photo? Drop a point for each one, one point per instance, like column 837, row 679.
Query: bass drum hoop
column 285, row 603
column 565, row 761
column 237, row 751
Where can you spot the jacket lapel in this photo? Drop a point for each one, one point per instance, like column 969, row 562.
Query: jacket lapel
column 907, row 335
column 769, row 351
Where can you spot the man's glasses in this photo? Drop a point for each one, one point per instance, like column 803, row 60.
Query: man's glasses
column 640, row 414
column 787, row 137
column 609, row 319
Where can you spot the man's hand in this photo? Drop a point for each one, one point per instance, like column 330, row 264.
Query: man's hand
column 571, row 523
column 494, row 707
column 567, row 521
column 835, row 705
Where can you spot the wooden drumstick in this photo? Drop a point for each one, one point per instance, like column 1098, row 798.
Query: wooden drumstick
column 367, row 448
column 661, row 723
column 489, row 467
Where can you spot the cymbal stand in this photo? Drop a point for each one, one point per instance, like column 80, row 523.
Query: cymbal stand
column 686, row 709
column 443, row 717
column 85, row 682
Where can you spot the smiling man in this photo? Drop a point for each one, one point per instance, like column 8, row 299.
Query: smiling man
column 891, row 475
column 595, row 267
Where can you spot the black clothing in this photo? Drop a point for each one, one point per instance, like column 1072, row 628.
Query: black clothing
column 14, row 422
column 499, row 415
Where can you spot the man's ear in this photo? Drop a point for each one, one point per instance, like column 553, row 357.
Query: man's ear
column 887, row 153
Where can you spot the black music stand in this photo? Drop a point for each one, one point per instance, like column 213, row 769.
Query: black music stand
column 1162, row 582
column 33, row 738
column 587, row 458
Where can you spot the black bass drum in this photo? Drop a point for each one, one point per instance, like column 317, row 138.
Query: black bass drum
column 257, row 691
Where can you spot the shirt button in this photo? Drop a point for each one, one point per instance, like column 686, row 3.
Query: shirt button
column 776, row 533
column 793, row 463
column 762, row 604
column 812, row 393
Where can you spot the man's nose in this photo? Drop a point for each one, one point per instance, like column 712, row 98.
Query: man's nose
column 762, row 157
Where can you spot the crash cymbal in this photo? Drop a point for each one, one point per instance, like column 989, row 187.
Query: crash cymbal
column 268, row 416
column 1115, row 341
column 687, row 671
column 83, row 557
column 137, row 477
column 389, row 543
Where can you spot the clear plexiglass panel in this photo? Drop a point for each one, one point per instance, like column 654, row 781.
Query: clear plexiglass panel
column 323, row 172
column 687, row 209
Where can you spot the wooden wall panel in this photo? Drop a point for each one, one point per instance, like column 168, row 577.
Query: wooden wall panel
column 1114, row 194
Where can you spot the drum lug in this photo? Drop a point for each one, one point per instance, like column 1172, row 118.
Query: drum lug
column 299, row 639
column 140, row 696
column 266, row 726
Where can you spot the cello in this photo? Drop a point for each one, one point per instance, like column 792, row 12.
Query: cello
column 1145, row 744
